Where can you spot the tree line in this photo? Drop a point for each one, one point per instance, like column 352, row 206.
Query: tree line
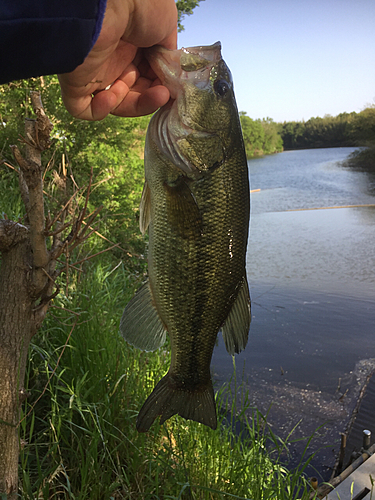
column 263, row 137
column 343, row 130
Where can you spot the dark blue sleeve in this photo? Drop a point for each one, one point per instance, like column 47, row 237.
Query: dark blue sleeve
column 45, row 37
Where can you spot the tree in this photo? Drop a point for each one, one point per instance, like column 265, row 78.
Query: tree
column 260, row 136
column 273, row 142
column 364, row 126
column 30, row 250
column 253, row 135
column 185, row 7
column 345, row 129
column 112, row 147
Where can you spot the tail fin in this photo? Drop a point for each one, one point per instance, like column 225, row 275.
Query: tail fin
column 166, row 400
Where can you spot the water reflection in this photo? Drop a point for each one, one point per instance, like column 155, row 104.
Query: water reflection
column 331, row 250
column 312, row 278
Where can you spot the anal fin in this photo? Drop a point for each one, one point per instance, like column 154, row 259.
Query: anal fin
column 236, row 327
column 140, row 324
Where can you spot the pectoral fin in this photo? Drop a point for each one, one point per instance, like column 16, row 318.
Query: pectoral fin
column 236, row 327
column 182, row 210
column 140, row 324
column 145, row 209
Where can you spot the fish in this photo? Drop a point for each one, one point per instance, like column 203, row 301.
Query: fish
column 196, row 207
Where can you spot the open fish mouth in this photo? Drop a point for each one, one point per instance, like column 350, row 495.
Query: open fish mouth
column 175, row 67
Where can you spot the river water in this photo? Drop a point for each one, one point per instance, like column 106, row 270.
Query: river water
column 311, row 270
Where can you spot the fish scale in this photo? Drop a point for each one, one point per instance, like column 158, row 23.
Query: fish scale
column 195, row 205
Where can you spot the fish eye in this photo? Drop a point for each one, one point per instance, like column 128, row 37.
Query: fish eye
column 221, row 87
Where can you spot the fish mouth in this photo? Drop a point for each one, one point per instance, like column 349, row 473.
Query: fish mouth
column 176, row 67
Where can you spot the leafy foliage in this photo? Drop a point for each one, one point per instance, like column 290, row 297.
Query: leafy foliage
column 345, row 129
column 261, row 137
column 362, row 159
column 185, row 7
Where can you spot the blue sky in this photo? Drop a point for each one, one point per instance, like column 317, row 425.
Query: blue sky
column 292, row 59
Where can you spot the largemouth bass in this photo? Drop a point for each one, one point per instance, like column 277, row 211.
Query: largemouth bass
column 196, row 206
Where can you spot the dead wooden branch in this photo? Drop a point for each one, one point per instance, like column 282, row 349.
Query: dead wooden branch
column 44, row 124
column 32, row 189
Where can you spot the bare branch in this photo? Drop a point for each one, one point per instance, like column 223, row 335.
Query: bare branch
column 22, row 163
column 49, row 277
column 31, row 168
column 90, row 221
column 75, row 237
column 58, row 247
column 29, row 141
column 59, row 230
column 46, row 300
column 94, row 255
column 9, row 165
column 81, row 239
column 50, row 161
column 48, row 220
column 49, row 225
column 44, row 125
column 83, row 212
column 66, row 309
column 70, row 265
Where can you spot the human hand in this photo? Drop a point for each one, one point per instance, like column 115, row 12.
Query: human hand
column 117, row 60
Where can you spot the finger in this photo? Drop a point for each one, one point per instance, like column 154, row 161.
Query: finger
column 143, row 103
column 171, row 41
column 101, row 105
column 96, row 106
column 120, row 101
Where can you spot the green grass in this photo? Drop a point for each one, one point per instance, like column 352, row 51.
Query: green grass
column 79, row 440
